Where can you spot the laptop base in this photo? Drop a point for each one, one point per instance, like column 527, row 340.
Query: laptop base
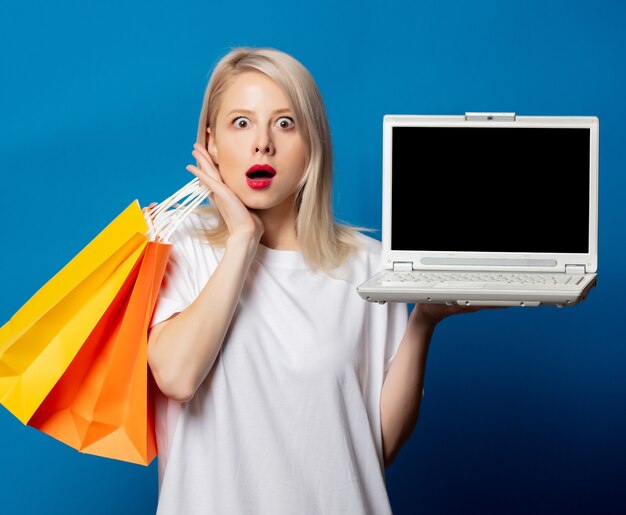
column 374, row 291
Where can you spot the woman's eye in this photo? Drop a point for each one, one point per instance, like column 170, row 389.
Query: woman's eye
column 241, row 122
column 285, row 122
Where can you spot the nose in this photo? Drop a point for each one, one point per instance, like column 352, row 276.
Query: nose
column 264, row 144
column 268, row 149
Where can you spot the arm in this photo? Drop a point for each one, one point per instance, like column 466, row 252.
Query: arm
column 402, row 390
column 183, row 349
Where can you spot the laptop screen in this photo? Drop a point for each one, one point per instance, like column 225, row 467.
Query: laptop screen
column 492, row 189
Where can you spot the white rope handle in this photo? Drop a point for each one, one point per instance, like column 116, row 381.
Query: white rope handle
column 164, row 218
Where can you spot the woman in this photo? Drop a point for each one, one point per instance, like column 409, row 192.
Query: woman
column 281, row 391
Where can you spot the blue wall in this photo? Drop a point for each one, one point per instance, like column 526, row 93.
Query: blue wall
column 525, row 409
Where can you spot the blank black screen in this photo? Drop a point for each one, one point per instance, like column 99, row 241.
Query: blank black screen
column 490, row 189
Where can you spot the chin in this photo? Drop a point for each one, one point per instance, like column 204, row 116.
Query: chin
column 256, row 203
column 259, row 203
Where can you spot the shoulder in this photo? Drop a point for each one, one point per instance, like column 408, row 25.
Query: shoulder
column 366, row 259
column 190, row 241
column 368, row 244
column 194, row 224
column 368, row 248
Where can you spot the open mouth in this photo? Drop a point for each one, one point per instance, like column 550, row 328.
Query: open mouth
column 260, row 177
column 260, row 172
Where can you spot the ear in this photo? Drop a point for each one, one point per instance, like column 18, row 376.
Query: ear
column 211, row 147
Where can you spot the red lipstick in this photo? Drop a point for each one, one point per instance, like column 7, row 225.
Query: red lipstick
column 260, row 176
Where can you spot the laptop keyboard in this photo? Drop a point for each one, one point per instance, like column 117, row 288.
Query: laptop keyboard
column 483, row 278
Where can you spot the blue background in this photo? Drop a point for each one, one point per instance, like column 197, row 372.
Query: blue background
column 525, row 409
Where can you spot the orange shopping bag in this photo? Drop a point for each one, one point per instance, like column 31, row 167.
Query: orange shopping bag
column 102, row 404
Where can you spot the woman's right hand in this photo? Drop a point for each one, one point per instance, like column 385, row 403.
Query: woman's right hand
column 239, row 219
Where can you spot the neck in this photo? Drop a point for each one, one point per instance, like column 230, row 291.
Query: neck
column 279, row 226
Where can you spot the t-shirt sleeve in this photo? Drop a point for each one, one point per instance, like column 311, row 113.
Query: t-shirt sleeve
column 396, row 324
column 388, row 321
column 175, row 292
column 191, row 263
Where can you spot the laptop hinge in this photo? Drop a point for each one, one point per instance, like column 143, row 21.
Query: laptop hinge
column 575, row 269
column 402, row 266
column 489, row 117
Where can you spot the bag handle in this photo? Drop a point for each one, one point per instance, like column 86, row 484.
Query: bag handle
column 164, row 218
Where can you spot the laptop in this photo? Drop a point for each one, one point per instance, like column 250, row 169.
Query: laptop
column 489, row 209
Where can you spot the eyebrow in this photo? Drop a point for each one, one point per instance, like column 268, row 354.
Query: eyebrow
column 248, row 111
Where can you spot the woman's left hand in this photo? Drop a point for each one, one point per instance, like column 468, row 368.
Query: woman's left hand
column 432, row 314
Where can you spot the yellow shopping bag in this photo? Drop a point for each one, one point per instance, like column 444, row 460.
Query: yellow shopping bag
column 40, row 341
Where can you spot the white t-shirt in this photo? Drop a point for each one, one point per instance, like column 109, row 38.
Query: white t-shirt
column 288, row 420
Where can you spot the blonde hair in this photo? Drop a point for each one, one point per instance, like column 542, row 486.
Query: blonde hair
column 324, row 243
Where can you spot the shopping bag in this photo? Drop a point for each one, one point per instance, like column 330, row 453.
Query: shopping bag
column 40, row 341
column 75, row 355
column 102, row 404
